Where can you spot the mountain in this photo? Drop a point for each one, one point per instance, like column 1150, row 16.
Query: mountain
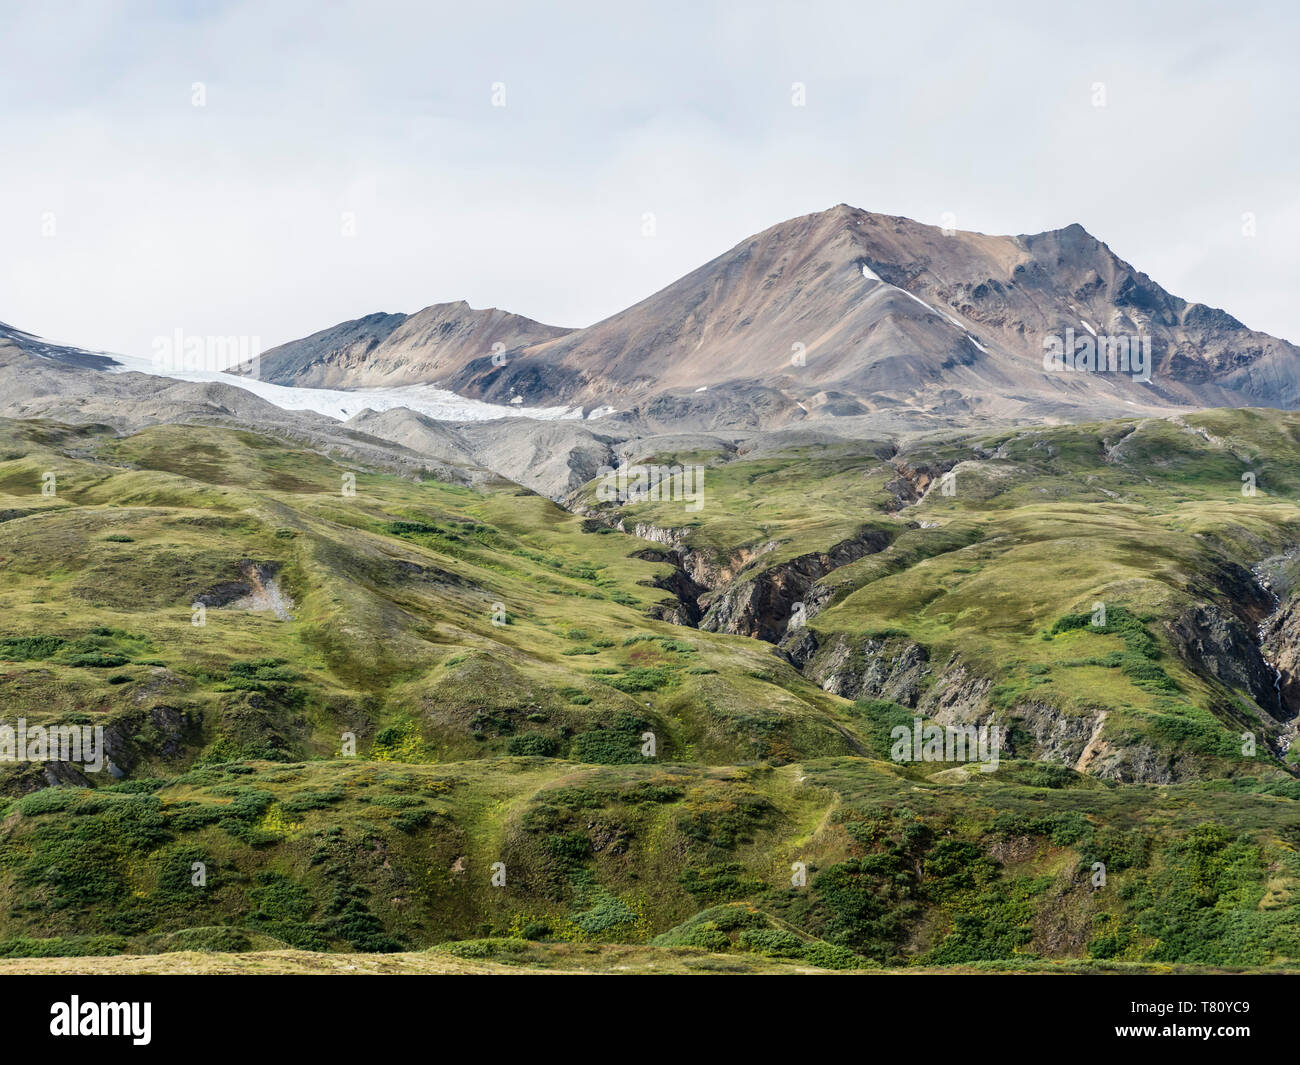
column 396, row 349
column 350, row 666
column 66, row 384
column 845, row 313
column 844, row 323
column 19, row 347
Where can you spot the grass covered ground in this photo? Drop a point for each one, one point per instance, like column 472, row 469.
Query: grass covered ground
column 463, row 682
column 513, row 957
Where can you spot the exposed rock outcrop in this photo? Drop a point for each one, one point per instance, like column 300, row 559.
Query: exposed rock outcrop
column 1214, row 643
column 958, row 696
column 684, row 608
column 912, row 482
column 871, row 667
column 258, row 590
column 1060, row 737
column 764, row 606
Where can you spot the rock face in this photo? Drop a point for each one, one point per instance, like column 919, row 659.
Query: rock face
column 698, row 576
column 684, row 608
column 1140, row 763
column 870, row 668
column 912, row 483
column 738, row 595
column 895, row 667
column 1282, row 642
column 766, row 605
column 958, row 695
column 1216, row 644
column 1059, row 737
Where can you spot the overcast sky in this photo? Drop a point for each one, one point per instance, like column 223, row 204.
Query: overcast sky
column 228, row 218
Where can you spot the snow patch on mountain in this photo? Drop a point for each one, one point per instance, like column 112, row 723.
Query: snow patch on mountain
column 344, row 403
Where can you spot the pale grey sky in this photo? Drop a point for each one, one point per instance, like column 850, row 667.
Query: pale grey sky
column 226, row 218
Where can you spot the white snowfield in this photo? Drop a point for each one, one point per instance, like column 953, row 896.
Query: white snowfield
column 343, row 404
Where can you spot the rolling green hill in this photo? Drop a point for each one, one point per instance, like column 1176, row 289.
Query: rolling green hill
column 352, row 699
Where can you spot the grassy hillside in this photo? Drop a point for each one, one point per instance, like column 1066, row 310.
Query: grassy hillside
column 1161, row 522
column 351, row 699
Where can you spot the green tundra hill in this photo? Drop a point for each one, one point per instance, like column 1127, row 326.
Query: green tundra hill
column 348, row 702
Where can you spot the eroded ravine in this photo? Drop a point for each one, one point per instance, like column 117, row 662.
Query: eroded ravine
column 1279, row 639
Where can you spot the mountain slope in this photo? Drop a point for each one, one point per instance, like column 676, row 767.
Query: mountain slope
column 39, row 380
column 396, row 349
column 553, row 457
column 15, row 344
column 890, row 311
column 841, row 313
column 465, row 676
